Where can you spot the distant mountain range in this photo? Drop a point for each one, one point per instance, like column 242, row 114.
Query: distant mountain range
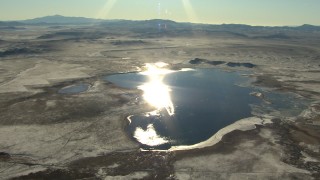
column 62, row 20
column 58, row 19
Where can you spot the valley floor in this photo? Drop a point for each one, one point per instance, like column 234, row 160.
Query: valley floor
column 47, row 135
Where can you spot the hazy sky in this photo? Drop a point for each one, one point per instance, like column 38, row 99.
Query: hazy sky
column 254, row 12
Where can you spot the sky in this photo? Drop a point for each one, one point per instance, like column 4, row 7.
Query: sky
column 252, row 12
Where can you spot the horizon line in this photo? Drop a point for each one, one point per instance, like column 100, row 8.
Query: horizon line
column 19, row 20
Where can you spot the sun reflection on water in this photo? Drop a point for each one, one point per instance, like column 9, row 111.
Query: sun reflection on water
column 149, row 137
column 156, row 93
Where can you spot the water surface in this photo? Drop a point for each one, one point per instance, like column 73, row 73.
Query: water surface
column 201, row 102
column 74, row 89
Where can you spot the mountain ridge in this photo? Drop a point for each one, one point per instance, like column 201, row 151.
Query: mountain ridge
column 152, row 23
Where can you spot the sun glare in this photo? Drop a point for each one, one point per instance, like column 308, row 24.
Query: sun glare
column 149, row 137
column 156, row 93
column 189, row 10
column 103, row 13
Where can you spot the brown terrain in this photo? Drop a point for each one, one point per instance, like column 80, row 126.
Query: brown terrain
column 47, row 135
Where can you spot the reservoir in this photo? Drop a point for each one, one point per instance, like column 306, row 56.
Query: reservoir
column 190, row 105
